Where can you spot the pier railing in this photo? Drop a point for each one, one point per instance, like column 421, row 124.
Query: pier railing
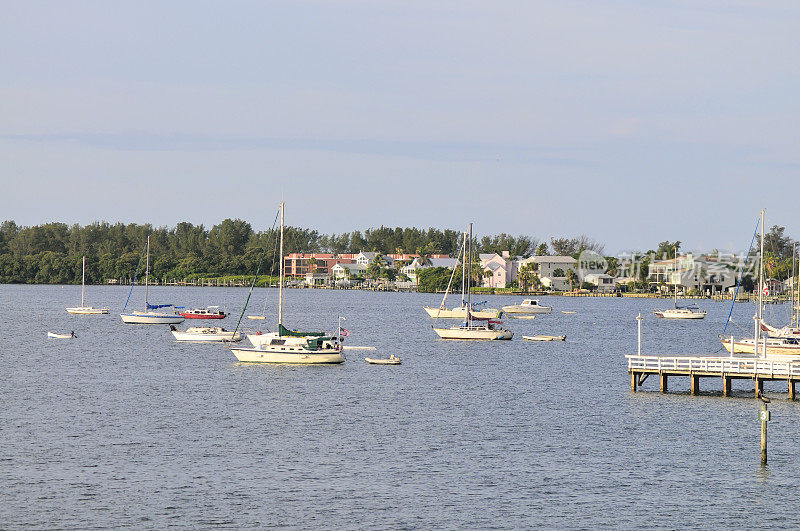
column 753, row 367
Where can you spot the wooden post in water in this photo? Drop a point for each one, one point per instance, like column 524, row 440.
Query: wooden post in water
column 791, row 390
column 726, row 386
column 663, row 383
column 695, row 387
column 764, row 416
column 759, row 387
column 633, row 382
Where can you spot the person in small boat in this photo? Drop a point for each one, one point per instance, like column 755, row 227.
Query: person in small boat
column 72, row 334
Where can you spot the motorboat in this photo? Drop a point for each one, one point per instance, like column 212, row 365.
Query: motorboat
column 205, row 334
column 83, row 309
column 149, row 315
column 212, row 312
column 527, row 306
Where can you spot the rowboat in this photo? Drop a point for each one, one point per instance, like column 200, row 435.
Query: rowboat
column 544, row 338
column 53, row 335
column 391, row 360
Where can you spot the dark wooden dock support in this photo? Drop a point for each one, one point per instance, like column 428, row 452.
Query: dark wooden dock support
column 634, row 378
column 759, row 387
column 726, row 386
column 663, row 383
column 695, row 387
column 791, row 390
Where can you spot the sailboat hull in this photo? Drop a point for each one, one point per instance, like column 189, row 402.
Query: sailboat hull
column 151, row 318
column 288, row 354
column 476, row 333
column 461, row 313
column 88, row 311
column 774, row 348
column 679, row 314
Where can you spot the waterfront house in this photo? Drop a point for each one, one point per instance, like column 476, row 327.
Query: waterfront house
column 349, row 272
column 499, row 270
column 552, row 270
column 602, row 281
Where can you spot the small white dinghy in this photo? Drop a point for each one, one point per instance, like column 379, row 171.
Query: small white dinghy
column 53, row 335
column 544, row 338
column 522, row 316
column 568, row 312
column 391, row 360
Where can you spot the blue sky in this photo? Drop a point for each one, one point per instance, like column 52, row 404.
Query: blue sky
column 631, row 122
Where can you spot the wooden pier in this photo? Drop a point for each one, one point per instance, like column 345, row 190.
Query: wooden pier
column 725, row 369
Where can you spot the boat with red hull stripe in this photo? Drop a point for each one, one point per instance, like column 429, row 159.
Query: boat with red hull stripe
column 212, row 312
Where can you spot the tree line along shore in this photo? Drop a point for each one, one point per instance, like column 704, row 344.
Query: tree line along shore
column 232, row 251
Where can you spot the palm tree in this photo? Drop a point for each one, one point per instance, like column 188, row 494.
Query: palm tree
column 572, row 277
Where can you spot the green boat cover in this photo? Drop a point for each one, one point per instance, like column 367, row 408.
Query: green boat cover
column 316, row 343
column 283, row 331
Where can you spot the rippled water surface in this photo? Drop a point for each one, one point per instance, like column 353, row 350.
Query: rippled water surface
column 124, row 427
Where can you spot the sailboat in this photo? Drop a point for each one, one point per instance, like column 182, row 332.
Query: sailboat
column 762, row 346
column 459, row 312
column 290, row 346
column 680, row 312
column 148, row 316
column 83, row 309
column 792, row 330
column 475, row 328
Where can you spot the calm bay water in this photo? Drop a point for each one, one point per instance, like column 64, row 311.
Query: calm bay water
column 125, row 427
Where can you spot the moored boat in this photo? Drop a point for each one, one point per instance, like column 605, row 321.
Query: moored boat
column 149, row 316
column 83, row 309
column 544, row 338
column 212, row 312
column 205, row 334
column 55, row 335
column 527, row 306
column 473, row 327
column 391, row 360
column 289, row 346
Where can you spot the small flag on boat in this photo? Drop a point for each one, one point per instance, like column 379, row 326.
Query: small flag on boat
column 344, row 332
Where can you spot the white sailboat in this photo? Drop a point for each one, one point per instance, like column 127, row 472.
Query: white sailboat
column 459, row 312
column 149, row 316
column 289, row 346
column 758, row 345
column 474, row 328
column 83, row 309
column 792, row 330
column 679, row 312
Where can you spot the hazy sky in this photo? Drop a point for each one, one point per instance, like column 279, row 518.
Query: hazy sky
column 629, row 121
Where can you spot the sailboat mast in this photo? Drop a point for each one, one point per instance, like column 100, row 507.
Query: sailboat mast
column 147, row 274
column 83, row 280
column 791, row 291
column 676, row 271
column 760, row 288
column 280, row 277
column 463, row 267
column 469, row 277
